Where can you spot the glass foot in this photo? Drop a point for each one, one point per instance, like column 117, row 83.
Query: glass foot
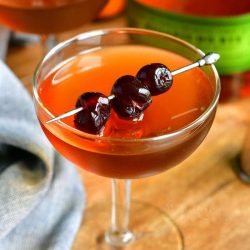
column 117, row 239
column 151, row 228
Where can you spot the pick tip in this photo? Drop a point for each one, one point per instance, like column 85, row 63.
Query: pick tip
column 211, row 58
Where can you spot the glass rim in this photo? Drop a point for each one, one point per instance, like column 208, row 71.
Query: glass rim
column 124, row 30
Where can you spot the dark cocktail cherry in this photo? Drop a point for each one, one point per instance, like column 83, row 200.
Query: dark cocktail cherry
column 157, row 77
column 130, row 97
column 94, row 114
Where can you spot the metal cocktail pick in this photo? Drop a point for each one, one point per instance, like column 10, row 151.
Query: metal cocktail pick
column 209, row 58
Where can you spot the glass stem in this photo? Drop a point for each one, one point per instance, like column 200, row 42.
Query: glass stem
column 47, row 42
column 119, row 234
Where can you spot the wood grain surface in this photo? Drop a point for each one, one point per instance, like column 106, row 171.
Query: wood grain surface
column 203, row 195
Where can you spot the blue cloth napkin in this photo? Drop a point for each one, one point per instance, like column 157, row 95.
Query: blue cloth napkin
column 41, row 195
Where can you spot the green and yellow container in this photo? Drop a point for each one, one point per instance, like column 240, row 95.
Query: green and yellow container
column 228, row 35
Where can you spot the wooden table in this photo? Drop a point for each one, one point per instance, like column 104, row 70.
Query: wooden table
column 203, row 195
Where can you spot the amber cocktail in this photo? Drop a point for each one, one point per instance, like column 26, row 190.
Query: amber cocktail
column 48, row 17
column 172, row 127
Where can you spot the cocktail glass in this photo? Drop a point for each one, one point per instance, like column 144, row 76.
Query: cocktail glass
column 47, row 18
column 120, row 158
